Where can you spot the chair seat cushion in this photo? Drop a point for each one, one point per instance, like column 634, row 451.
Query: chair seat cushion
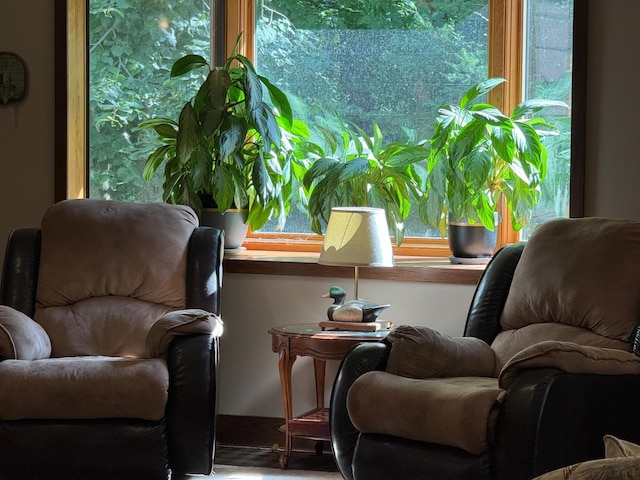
column 83, row 388
column 458, row 412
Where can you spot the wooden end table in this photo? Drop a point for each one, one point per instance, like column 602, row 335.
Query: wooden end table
column 308, row 339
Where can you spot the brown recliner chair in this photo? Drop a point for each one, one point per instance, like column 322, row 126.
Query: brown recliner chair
column 545, row 369
column 109, row 343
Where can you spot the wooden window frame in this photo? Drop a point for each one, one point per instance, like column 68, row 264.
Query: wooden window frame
column 506, row 39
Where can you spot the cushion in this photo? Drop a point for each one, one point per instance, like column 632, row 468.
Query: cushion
column 21, row 338
column 109, row 326
column 83, row 388
column 421, row 352
column 571, row 358
column 578, row 272
column 459, row 412
column 615, row 447
column 180, row 322
column 95, row 249
column 509, row 342
column 602, row 469
column 622, row 462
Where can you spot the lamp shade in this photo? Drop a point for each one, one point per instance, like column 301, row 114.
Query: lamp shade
column 357, row 236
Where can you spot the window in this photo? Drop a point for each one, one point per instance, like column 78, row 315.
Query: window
column 131, row 46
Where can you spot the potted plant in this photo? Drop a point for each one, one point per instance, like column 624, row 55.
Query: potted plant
column 479, row 156
column 226, row 147
column 353, row 168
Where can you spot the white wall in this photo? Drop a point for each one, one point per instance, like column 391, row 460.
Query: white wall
column 27, row 127
column 613, row 106
column 254, row 303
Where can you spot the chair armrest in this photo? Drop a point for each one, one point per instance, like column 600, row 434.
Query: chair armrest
column 21, row 338
column 191, row 321
column 534, row 434
column 193, row 403
column 361, row 359
column 421, row 352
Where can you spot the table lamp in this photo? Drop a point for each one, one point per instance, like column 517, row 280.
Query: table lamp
column 357, row 237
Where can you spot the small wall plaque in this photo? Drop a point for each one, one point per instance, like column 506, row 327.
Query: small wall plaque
column 13, row 78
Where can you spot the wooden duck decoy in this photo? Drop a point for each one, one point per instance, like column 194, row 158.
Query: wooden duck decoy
column 356, row 310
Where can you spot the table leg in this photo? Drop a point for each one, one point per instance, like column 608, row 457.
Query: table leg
column 319, row 368
column 285, row 364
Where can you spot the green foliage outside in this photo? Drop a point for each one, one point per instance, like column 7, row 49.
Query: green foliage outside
column 367, row 54
column 132, row 46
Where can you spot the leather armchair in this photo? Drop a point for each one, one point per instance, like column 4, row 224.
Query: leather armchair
column 109, row 325
column 558, row 317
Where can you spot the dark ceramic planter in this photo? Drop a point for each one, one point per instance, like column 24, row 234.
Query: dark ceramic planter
column 471, row 242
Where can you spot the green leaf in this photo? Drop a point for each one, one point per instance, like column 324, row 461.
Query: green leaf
column 491, row 116
column 480, row 89
column 261, row 180
column 210, row 118
column 504, row 144
column 485, row 212
column 186, row 64
column 166, row 131
column 353, row 169
column 153, row 122
column 202, row 169
column 188, row 133
column 531, row 106
column 266, row 125
column 467, row 139
column 319, row 168
column 214, row 89
column 232, row 135
column 281, row 103
column 329, row 137
column 154, row 160
column 222, row 187
column 253, row 91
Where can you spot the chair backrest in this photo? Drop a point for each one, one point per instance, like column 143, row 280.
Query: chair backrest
column 576, row 281
column 107, row 271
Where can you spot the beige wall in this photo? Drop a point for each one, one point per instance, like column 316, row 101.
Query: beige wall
column 613, row 160
column 27, row 127
column 249, row 379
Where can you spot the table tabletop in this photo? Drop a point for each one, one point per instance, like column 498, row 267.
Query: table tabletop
column 313, row 330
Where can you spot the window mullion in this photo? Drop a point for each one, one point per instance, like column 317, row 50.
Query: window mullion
column 240, row 18
column 506, row 39
column 76, row 99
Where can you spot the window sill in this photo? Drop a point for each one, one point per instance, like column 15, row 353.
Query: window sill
column 408, row 269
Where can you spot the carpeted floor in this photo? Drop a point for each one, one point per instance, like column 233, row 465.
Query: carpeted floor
column 243, row 456
column 224, row 472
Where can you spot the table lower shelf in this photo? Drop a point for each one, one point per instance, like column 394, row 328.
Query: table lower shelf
column 313, row 424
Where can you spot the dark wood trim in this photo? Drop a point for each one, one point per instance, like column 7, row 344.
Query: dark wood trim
column 579, row 107
column 60, row 89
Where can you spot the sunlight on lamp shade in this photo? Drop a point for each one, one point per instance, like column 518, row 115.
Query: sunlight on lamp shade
column 357, row 236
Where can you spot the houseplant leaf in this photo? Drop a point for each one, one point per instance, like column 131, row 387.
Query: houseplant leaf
column 188, row 133
column 187, row 63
